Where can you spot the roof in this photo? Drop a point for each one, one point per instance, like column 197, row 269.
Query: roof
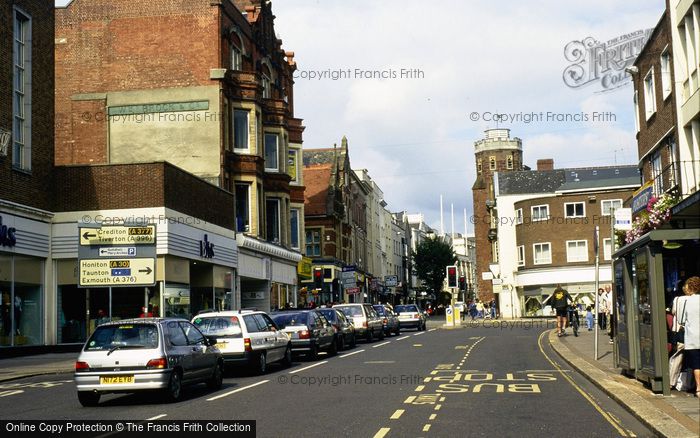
column 317, row 180
column 558, row 180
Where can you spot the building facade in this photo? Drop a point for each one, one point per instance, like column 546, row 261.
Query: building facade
column 26, row 178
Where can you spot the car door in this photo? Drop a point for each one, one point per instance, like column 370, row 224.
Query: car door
column 198, row 350
column 178, row 349
column 327, row 332
column 268, row 337
column 278, row 339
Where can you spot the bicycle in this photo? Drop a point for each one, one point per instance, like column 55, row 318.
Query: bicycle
column 573, row 319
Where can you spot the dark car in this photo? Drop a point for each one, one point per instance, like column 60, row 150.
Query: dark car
column 364, row 318
column 390, row 321
column 344, row 330
column 410, row 316
column 146, row 354
column 309, row 331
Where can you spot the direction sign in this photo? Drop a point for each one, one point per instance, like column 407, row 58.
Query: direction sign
column 118, row 235
column 391, row 280
column 117, row 272
column 117, row 251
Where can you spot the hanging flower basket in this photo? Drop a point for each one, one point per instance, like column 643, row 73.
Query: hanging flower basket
column 657, row 213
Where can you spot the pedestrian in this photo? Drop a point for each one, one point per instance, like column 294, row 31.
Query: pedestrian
column 492, row 305
column 610, row 313
column 602, row 321
column 479, row 309
column 589, row 318
column 690, row 321
column 560, row 301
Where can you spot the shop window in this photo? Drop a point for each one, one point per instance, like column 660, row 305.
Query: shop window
column 574, row 209
column 294, row 228
column 542, row 253
column 243, row 208
column 576, row 251
column 21, row 300
column 313, row 243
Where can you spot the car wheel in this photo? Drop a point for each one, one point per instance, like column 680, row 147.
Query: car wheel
column 261, row 366
column 313, row 352
column 353, row 341
column 88, row 398
column 217, row 379
column 333, row 348
column 287, row 359
column 341, row 342
column 370, row 335
column 398, row 331
column 174, row 390
column 381, row 334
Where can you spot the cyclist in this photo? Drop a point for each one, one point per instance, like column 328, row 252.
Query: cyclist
column 573, row 318
column 560, row 301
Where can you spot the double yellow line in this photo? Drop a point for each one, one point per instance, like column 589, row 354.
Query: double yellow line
column 585, row 395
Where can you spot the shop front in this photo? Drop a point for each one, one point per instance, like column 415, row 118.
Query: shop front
column 24, row 250
column 195, row 270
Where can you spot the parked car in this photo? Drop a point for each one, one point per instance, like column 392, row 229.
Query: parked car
column 134, row 355
column 390, row 321
column 364, row 318
column 248, row 338
column 410, row 316
column 344, row 330
column 309, row 331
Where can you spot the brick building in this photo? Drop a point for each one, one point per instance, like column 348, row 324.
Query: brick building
column 336, row 224
column 546, row 220
column 496, row 152
column 207, row 87
column 26, row 161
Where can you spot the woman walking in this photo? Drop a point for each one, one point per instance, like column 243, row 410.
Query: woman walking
column 690, row 320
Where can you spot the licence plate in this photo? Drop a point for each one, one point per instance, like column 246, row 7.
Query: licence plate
column 221, row 345
column 111, row 380
column 289, row 335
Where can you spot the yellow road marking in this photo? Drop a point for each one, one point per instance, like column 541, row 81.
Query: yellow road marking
column 427, row 379
column 410, row 399
column 417, row 345
column 432, row 416
column 382, row 432
column 419, row 388
column 442, row 399
column 426, row 428
column 397, row 414
column 437, row 407
column 605, row 415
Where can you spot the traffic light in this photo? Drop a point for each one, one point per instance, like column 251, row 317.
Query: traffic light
column 318, row 278
column 462, row 283
column 452, row 276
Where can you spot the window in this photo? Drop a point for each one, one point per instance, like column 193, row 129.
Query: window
column 636, row 111
column 540, row 212
column 492, row 163
column 608, row 249
column 574, row 209
column 509, row 162
column 243, row 208
column 313, row 243
column 519, row 216
column 521, row 255
column 542, row 253
column 240, row 129
column 607, row 205
column 666, row 73
column 266, row 84
column 478, row 165
column 294, row 222
column 576, row 251
column 656, row 170
column 271, row 152
column 649, row 96
column 236, row 53
column 292, row 162
column 21, row 96
column 272, row 214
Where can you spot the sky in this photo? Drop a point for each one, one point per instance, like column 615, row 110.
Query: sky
column 464, row 61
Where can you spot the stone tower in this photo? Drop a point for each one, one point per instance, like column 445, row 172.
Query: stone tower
column 496, row 152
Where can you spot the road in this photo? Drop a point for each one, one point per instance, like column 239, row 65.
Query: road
column 476, row 381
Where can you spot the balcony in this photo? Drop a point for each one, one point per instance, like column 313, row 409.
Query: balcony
column 679, row 178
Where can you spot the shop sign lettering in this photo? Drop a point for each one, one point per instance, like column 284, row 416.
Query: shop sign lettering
column 7, row 235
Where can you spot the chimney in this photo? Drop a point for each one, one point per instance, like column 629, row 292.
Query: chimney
column 545, row 164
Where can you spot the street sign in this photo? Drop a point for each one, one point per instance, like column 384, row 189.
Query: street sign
column 391, row 280
column 487, row 275
column 623, row 219
column 347, row 274
column 496, row 281
column 352, row 290
column 118, row 235
column 117, row 272
column 349, row 268
column 349, row 282
column 117, row 251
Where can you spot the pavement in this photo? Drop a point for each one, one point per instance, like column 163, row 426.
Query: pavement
column 676, row 416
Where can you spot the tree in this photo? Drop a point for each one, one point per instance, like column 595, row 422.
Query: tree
column 431, row 257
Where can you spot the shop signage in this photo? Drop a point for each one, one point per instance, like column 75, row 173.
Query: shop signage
column 349, row 268
column 623, row 219
column 7, row 235
column 206, row 248
column 304, row 268
column 352, row 290
column 391, row 280
column 641, row 197
column 117, row 272
column 118, row 235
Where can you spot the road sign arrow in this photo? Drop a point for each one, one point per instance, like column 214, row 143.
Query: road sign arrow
column 148, row 270
column 87, row 235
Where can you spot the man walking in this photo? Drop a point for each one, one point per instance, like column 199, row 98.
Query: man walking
column 602, row 314
column 560, row 301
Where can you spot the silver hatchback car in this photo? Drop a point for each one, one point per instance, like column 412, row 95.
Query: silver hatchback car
column 146, row 354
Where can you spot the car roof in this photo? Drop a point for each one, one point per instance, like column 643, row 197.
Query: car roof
column 280, row 312
column 150, row 320
column 228, row 313
column 351, row 304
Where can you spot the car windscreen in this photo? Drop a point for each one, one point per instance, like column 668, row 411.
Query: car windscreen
column 380, row 310
column 122, row 337
column 219, row 326
column 403, row 309
column 329, row 314
column 289, row 319
column 351, row 310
